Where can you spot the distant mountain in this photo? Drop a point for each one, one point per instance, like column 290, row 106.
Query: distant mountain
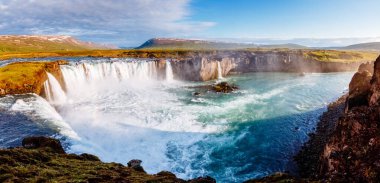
column 373, row 46
column 289, row 46
column 29, row 43
column 169, row 43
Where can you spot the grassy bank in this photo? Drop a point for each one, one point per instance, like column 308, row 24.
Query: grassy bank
column 318, row 55
column 27, row 77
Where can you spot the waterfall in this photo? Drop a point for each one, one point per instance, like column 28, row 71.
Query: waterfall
column 169, row 71
column 220, row 75
column 47, row 91
column 53, row 90
column 81, row 76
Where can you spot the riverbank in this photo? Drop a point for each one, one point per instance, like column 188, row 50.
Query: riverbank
column 346, row 144
column 43, row 159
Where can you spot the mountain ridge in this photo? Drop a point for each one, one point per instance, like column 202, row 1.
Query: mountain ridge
column 174, row 43
column 30, row 43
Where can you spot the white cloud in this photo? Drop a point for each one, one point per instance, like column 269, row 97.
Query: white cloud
column 120, row 21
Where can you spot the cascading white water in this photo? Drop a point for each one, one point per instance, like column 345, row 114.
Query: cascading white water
column 47, row 91
column 119, row 108
column 92, row 74
column 169, row 71
column 220, row 75
column 119, row 111
column 53, row 90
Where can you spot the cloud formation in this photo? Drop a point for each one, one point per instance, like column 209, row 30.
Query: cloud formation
column 122, row 22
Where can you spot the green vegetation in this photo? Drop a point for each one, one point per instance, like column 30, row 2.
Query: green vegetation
column 43, row 165
column 340, row 56
column 43, row 159
column 26, row 77
column 318, row 55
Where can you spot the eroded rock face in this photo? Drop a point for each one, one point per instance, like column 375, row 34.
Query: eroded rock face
column 203, row 67
column 359, row 89
column 352, row 151
column 375, row 88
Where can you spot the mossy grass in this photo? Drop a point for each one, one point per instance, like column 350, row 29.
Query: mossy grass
column 179, row 53
column 26, row 77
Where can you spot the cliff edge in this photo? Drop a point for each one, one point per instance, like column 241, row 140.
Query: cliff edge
column 346, row 145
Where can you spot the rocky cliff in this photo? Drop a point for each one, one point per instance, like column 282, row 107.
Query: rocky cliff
column 202, row 67
column 346, row 146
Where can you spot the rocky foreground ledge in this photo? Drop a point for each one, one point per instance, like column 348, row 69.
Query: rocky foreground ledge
column 42, row 159
column 346, row 145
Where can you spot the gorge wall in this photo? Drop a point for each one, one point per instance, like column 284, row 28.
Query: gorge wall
column 346, row 146
column 197, row 66
column 204, row 67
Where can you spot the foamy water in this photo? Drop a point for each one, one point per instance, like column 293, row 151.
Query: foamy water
column 121, row 111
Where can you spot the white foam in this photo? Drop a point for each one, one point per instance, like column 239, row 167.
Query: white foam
column 169, row 71
column 53, row 90
column 37, row 109
column 220, row 71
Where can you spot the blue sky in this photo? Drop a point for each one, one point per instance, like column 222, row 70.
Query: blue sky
column 131, row 22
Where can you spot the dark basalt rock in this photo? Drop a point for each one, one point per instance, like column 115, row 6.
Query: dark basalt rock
column 277, row 177
column 136, row 165
column 206, row 179
column 43, row 142
column 224, row 87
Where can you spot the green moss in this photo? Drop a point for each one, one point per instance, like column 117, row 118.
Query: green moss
column 340, row 56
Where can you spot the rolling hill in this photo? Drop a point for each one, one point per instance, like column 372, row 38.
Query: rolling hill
column 33, row 43
column 169, row 43
column 373, row 46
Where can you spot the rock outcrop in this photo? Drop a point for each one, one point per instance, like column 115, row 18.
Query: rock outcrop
column 28, row 77
column 42, row 159
column 224, row 87
column 352, row 152
column 346, row 146
column 203, row 67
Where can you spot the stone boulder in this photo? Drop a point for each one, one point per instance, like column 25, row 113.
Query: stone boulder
column 43, row 142
column 224, row 87
column 359, row 89
column 136, row 165
column 366, row 67
column 206, row 179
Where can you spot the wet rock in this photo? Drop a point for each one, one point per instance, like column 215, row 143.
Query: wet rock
column 302, row 74
column 276, row 177
column 224, row 87
column 206, row 179
column 136, row 165
column 43, row 142
column 196, row 93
